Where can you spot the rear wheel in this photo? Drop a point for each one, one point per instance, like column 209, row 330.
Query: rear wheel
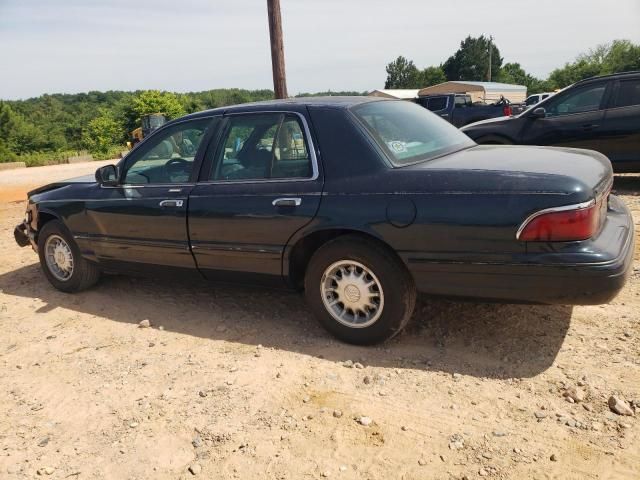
column 61, row 261
column 359, row 291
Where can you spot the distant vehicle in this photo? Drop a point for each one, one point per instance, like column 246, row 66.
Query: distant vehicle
column 537, row 98
column 600, row 113
column 459, row 110
column 149, row 123
column 360, row 201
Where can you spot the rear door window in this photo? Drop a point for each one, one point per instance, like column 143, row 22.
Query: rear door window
column 628, row 93
column 262, row 147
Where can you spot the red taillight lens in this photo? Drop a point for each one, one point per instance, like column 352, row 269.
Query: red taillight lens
column 562, row 226
column 507, row 110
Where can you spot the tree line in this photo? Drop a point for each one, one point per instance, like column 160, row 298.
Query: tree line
column 56, row 125
column 471, row 62
column 52, row 127
column 49, row 128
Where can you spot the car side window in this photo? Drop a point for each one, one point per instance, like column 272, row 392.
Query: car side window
column 628, row 93
column 261, row 147
column 587, row 99
column 168, row 156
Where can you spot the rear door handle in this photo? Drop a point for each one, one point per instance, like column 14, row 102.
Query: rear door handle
column 287, row 202
column 589, row 126
column 171, row 203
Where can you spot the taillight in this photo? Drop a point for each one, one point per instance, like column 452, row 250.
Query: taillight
column 507, row 110
column 563, row 224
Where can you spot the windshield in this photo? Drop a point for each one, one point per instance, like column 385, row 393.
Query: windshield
column 409, row 133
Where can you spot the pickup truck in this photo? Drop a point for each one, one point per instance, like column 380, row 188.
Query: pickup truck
column 459, row 110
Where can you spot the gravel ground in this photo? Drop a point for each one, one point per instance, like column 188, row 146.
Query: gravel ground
column 232, row 382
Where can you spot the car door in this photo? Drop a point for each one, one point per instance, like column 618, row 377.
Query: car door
column 262, row 183
column 621, row 129
column 572, row 119
column 142, row 221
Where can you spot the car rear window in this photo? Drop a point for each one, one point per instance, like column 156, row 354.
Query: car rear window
column 437, row 103
column 409, row 133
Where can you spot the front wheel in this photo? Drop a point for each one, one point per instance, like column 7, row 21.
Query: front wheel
column 61, row 261
column 359, row 291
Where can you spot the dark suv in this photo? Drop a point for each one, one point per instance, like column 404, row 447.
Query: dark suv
column 600, row 113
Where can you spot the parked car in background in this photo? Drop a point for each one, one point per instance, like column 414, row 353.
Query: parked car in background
column 459, row 110
column 600, row 113
column 537, row 98
column 362, row 202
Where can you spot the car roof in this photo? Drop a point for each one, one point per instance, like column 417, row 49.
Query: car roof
column 295, row 104
column 609, row 76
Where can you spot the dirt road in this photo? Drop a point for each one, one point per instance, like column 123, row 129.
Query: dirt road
column 236, row 383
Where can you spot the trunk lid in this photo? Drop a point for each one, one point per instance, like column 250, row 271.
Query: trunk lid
column 588, row 172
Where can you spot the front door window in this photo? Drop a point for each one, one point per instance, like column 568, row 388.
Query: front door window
column 168, row 156
column 584, row 100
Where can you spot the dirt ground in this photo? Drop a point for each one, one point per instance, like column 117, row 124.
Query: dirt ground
column 237, row 383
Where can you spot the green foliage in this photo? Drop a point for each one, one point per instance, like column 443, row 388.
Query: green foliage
column 402, row 73
column 515, row 74
column 103, row 133
column 50, row 128
column 617, row 56
column 155, row 101
column 432, row 76
column 471, row 61
column 6, row 155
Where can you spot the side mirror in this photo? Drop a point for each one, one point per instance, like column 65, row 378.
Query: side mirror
column 539, row 112
column 107, row 175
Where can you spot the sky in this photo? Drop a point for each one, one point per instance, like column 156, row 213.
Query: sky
column 70, row 46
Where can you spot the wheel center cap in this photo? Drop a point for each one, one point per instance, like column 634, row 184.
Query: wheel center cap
column 352, row 293
column 60, row 258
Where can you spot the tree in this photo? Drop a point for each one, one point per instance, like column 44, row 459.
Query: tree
column 432, row 76
column 515, row 74
column 622, row 56
column 103, row 133
column 471, row 61
column 155, row 101
column 617, row 56
column 402, row 73
column 17, row 134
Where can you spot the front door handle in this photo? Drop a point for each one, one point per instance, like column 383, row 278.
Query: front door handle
column 589, row 126
column 287, row 202
column 171, row 203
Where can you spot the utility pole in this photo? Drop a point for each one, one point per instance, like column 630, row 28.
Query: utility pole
column 490, row 51
column 277, row 49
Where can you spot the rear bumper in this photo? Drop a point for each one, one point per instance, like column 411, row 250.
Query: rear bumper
column 576, row 273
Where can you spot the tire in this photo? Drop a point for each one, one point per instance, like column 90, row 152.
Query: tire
column 384, row 315
column 80, row 276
